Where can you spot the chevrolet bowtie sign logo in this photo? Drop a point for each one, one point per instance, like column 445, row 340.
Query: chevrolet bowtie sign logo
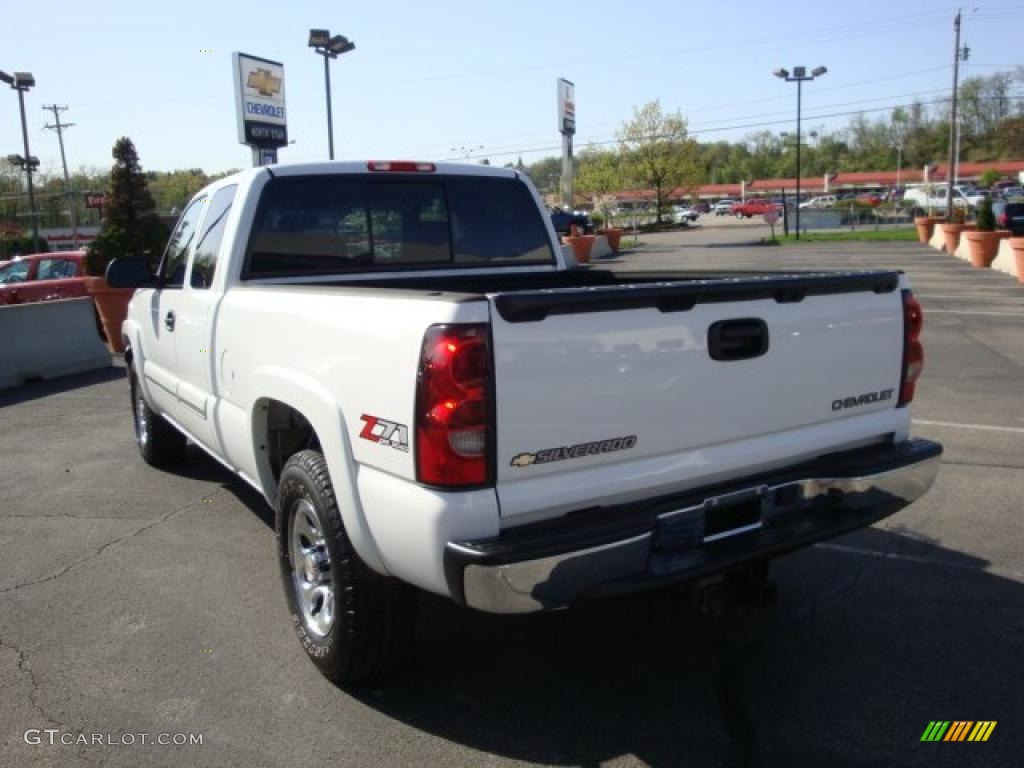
column 264, row 82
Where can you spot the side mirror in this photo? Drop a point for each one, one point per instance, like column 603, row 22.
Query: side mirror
column 129, row 273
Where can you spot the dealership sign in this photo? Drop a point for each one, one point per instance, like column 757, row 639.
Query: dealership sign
column 259, row 101
column 566, row 107
column 95, row 199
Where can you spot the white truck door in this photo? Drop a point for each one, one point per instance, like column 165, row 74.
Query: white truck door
column 193, row 333
column 158, row 336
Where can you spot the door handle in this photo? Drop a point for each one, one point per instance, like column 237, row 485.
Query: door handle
column 740, row 339
column 169, row 320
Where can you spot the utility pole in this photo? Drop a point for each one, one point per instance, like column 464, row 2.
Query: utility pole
column 69, row 195
column 952, row 120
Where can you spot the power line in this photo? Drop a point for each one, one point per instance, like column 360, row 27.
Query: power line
column 720, row 129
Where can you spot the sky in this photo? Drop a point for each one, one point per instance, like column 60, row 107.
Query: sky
column 455, row 79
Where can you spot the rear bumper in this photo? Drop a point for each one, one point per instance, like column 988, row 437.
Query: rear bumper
column 601, row 552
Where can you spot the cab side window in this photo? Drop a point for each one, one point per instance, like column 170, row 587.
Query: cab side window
column 172, row 269
column 55, row 269
column 204, row 263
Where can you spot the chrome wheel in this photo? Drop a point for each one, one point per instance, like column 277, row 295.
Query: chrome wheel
column 311, row 569
column 141, row 418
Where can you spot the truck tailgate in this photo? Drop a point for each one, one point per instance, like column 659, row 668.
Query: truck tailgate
column 606, row 393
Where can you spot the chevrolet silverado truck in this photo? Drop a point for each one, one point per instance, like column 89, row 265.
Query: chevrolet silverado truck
column 401, row 360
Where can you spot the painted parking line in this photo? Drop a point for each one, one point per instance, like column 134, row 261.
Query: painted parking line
column 956, row 425
column 972, row 312
column 966, row 296
column 902, row 557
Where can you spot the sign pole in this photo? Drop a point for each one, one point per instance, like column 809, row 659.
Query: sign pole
column 567, row 127
column 567, row 172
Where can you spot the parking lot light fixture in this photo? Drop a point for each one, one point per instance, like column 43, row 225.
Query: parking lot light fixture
column 329, row 47
column 798, row 76
column 21, row 82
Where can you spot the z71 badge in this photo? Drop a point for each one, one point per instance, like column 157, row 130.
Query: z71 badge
column 385, row 432
column 577, row 451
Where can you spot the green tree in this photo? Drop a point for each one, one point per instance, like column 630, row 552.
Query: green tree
column 989, row 177
column 599, row 173
column 130, row 226
column 545, row 174
column 657, row 151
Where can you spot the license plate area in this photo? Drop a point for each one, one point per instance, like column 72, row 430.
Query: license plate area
column 732, row 518
column 719, row 517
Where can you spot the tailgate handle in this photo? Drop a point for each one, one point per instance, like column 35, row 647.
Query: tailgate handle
column 740, row 339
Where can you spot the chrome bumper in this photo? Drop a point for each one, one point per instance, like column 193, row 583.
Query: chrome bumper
column 640, row 546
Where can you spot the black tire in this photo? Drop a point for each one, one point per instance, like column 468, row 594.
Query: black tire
column 371, row 631
column 160, row 444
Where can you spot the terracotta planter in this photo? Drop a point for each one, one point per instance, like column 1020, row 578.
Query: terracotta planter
column 951, row 235
column 925, row 228
column 1017, row 244
column 581, row 246
column 112, row 304
column 614, row 235
column 984, row 247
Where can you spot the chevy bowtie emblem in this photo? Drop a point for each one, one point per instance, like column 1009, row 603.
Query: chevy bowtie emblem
column 263, row 81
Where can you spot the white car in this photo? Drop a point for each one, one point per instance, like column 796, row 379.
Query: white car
column 822, row 201
column 684, row 214
column 401, row 359
column 723, row 207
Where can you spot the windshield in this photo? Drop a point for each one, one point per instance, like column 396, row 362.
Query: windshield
column 15, row 272
column 316, row 225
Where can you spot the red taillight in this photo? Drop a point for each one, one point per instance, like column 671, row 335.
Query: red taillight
column 454, row 436
column 1001, row 220
column 913, row 352
column 400, row 166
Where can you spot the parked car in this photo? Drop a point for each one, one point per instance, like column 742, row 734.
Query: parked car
column 752, row 208
column 723, row 207
column 821, row 201
column 436, row 399
column 563, row 221
column 702, row 206
column 1009, row 216
column 869, row 198
column 934, row 197
column 1011, row 193
column 43, row 277
column 684, row 214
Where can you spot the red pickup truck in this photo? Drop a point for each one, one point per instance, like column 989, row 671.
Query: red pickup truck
column 42, row 277
column 752, row 208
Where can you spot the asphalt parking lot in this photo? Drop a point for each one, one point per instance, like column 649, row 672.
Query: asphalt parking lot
column 137, row 601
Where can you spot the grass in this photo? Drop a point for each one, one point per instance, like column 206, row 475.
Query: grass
column 903, row 234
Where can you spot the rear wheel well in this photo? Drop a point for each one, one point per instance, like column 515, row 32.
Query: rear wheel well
column 288, row 431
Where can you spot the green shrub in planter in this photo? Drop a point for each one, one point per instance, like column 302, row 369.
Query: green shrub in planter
column 597, row 220
column 986, row 219
column 130, row 225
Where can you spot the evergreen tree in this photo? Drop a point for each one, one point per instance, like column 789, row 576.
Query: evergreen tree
column 130, row 226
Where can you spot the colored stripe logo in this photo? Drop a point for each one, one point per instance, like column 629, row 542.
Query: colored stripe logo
column 959, row 730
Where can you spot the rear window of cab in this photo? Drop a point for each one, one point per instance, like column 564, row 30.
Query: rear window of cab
column 336, row 224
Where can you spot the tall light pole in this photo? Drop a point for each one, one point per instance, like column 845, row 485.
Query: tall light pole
column 951, row 173
column 799, row 76
column 899, row 163
column 21, row 82
column 329, row 47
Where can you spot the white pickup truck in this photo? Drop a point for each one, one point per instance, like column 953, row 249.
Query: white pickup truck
column 934, row 197
column 400, row 358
